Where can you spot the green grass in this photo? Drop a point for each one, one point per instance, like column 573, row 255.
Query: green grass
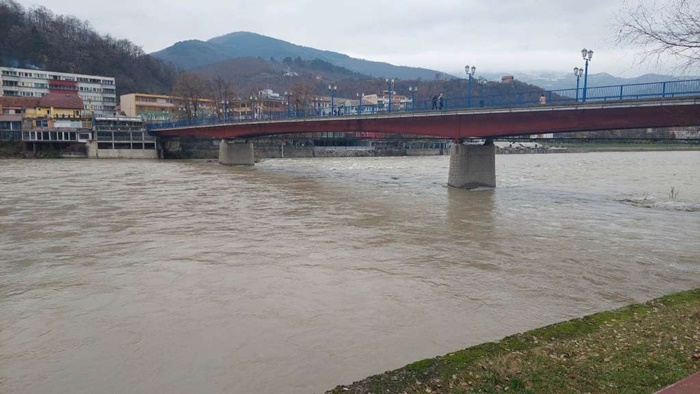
column 637, row 349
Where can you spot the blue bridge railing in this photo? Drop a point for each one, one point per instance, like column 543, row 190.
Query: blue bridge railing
column 668, row 89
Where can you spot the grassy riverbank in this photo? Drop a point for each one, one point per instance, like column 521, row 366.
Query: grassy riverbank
column 637, row 349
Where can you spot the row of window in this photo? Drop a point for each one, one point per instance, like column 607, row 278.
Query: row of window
column 10, row 125
column 51, row 136
column 110, row 145
column 38, row 75
column 19, row 93
column 63, row 87
column 35, row 85
column 123, row 136
column 99, row 107
column 142, row 99
column 94, row 97
column 96, row 90
column 10, row 135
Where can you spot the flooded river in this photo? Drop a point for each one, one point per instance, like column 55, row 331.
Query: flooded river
column 297, row 275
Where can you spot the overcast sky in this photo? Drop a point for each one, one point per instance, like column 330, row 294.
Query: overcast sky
column 495, row 36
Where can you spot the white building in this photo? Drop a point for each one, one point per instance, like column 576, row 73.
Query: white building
column 98, row 93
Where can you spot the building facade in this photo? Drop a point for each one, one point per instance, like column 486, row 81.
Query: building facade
column 98, row 93
column 121, row 137
column 157, row 108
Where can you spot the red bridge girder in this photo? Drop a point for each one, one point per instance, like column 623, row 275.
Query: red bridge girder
column 478, row 123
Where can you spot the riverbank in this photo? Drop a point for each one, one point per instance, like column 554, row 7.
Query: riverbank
column 11, row 150
column 581, row 147
column 639, row 348
column 207, row 150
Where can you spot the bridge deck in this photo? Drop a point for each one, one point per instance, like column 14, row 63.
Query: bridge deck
column 473, row 122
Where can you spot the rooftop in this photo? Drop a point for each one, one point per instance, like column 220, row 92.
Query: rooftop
column 62, row 101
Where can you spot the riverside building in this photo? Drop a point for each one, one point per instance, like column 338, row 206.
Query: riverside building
column 98, row 93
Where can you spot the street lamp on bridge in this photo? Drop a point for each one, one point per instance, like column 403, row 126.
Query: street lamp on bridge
column 470, row 72
column 252, row 107
column 390, row 83
column 224, row 106
column 482, row 83
column 587, row 56
column 317, row 106
column 413, row 90
column 332, row 89
column 288, row 95
column 577, row 72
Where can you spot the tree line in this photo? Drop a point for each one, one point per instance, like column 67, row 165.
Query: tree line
column 38, row 38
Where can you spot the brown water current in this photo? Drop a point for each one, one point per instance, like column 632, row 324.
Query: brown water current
column 297, row 275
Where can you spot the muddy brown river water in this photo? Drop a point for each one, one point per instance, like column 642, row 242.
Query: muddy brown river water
column 297, row 275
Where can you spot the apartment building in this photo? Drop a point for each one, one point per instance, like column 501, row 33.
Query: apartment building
column 154, row 108
column 150, row 107
column 98, row 93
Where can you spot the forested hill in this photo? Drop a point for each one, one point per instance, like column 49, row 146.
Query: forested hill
column 38, row 38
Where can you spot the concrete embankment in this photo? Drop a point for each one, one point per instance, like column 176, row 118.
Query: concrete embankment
column 339, row 151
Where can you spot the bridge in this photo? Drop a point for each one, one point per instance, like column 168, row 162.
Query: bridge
column 666, row 104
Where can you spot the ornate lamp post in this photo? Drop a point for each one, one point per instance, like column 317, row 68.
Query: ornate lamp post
column 224, row 105
column 413, row 90
column 587, row 56
column 577, row 72
column 252, row 107
column 332, row 89
column 470, row 72
column 482, row 83
column 288, row 95
column 390, row 83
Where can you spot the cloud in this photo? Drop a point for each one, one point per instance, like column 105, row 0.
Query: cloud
column 444, row 35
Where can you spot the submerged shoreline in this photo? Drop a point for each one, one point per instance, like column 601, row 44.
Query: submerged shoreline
column 14, row 150
column 639, row 348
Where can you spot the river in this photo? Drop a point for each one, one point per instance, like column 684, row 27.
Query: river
column 296, row 275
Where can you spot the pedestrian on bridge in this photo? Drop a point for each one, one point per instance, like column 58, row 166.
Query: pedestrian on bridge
column 435, row 102
column 543, row 100
column 440, row 101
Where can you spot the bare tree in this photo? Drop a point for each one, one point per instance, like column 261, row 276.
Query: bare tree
column 303, row 97
column 222, row 92
column 190, row 88
column 670, row 29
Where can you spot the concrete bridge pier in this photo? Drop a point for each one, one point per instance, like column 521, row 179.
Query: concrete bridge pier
column 236, row 153
column 472, row 166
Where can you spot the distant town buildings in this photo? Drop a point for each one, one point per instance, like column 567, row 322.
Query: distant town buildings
column 73, row 114
column 98, row 93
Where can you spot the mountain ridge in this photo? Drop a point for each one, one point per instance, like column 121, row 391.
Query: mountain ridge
column 191, row 54
column 197, row 54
